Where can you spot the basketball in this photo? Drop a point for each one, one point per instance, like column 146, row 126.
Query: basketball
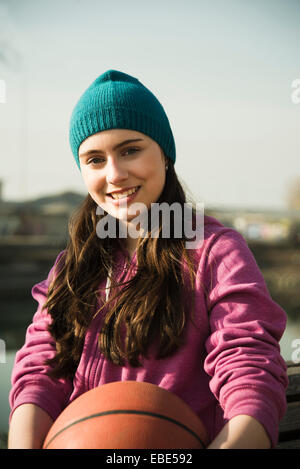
column 127, row 415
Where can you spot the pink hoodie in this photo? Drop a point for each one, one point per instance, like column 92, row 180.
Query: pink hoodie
column 229, row 365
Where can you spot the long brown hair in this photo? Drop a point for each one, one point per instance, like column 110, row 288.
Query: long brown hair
column 150, row 304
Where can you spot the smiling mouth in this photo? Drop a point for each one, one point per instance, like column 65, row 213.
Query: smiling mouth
column 123, row 195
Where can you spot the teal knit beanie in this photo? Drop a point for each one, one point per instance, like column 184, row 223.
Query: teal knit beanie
column 116, row 100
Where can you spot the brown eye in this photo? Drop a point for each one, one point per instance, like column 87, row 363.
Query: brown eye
column 95, row 160
column 130, row 151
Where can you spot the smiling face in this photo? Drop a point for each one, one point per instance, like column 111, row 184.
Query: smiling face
column 120, row 167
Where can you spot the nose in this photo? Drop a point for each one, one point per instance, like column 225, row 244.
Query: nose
column 115, row 171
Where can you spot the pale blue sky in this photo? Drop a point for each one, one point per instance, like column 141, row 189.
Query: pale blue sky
column 221, row 68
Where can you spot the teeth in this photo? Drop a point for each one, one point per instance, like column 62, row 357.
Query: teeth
column 121, row 195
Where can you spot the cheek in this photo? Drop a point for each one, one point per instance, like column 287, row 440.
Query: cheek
column 161, row 184
column 92, row 181
column 85, row 177
column 156, row 183
column 152, row 171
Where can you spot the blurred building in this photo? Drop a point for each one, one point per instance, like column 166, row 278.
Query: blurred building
column 28, row 229
column 33, row 233
column 273, row 227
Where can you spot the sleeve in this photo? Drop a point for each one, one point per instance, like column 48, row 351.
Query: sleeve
column 243, row 354
column 30, row 382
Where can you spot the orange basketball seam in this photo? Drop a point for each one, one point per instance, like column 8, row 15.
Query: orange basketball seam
column 129, row 411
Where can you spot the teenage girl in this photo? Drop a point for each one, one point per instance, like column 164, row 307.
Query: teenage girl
column 198, row 322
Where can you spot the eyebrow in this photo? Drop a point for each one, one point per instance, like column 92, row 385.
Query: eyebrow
column 125, row 142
